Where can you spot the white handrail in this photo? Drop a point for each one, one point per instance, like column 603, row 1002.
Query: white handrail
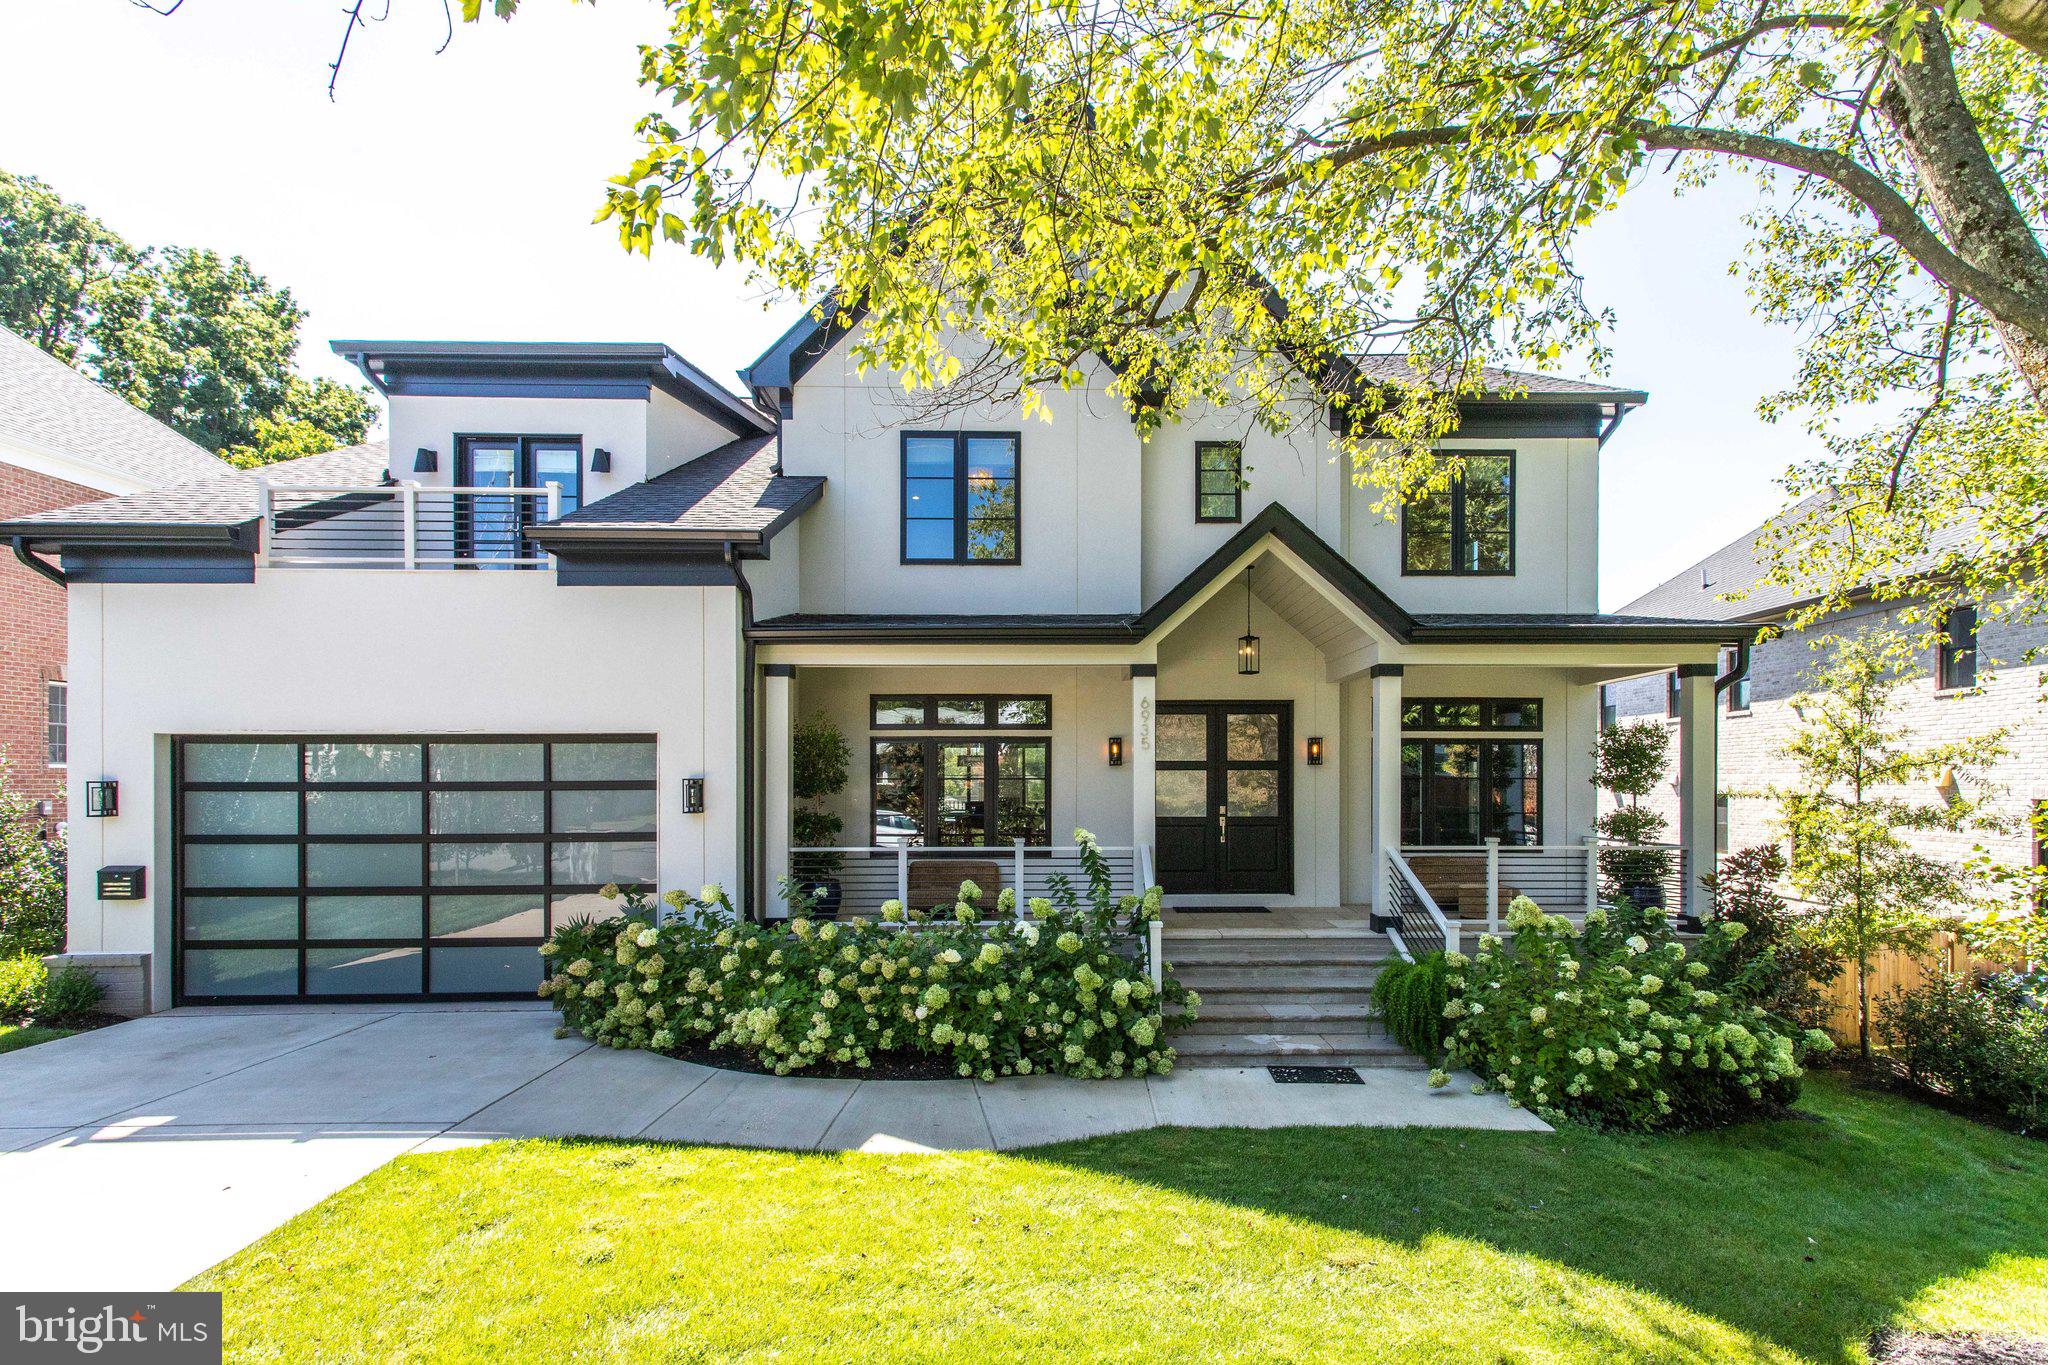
column 341, row 543
column 1427, row 901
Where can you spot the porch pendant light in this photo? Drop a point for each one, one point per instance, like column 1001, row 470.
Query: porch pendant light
column 1247, row 643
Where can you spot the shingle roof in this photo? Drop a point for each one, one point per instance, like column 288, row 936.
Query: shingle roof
column 1396, row 368
column 47, row 405
column 731, row 490
column 228, row 499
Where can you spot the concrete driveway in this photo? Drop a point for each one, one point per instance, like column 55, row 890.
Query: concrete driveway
column 143, row 1153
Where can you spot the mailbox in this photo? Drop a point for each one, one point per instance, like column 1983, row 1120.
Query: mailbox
column 123, row 883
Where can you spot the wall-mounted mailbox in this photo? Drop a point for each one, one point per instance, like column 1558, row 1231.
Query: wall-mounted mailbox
column 123, row 883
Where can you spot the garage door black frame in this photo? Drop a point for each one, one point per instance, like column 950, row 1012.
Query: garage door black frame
column 545, row 890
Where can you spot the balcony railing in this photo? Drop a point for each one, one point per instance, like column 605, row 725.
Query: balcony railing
column 929, row 878
column 404, row 526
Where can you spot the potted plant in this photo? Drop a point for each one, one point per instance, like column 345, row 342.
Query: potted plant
column 818, row 769
column 1630, row 760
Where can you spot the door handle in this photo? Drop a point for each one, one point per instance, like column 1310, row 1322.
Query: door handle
column 1222, row 824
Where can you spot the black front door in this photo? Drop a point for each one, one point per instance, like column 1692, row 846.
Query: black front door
column 1225, row 803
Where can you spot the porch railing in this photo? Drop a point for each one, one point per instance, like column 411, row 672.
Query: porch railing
column 403, row 526
column 868, row 876
column 1476, row 883
column 1420, row 925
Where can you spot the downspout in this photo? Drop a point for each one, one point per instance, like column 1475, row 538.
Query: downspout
column 1736, row 668
column 749, row 876
column 41, row 566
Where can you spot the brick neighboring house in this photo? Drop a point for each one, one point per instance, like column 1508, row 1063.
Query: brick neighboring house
column 1978, row 684
column 63, row 440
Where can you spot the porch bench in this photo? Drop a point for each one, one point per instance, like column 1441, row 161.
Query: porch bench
column 935, row 882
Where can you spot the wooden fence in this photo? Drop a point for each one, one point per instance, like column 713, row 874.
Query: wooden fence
column 1890, row 971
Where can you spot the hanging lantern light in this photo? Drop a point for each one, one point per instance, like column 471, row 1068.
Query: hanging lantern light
column 1247, row 643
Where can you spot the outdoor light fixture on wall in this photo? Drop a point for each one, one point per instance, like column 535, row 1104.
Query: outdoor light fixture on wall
column 1315, row 751
column 1247, row 643
column 425, row 461
column 693, row 796
column 1116, row 751
column 601, row 461
column 102, row 799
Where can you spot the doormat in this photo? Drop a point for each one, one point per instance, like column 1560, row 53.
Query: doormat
column 1316, row 1075
column 1221, row 910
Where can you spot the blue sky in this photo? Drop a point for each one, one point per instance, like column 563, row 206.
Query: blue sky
column 451, row 196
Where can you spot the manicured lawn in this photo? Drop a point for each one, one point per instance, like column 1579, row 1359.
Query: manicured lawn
column 1777, row 1240
column 13, row 1036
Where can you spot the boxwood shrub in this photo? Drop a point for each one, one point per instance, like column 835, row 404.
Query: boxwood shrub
column 991, row 997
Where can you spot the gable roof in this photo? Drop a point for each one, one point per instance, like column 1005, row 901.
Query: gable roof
column 734, row 490
column 46, row 407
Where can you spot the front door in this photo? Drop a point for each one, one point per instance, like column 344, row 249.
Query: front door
column 1225, row 797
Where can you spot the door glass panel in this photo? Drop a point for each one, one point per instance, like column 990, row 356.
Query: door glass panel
column 363, row 971
column 1022, row 810
column 362, row 917
column 487, row 762
column 1514, row 788
column 241, row 865
column 248, row 917
column 582, row 905
column 362, row 812
column 1252, row 737
column 362, row 864
column 216, row 762
column 1252, row 793
column 243, row 812
column 605, row 812
column 493, row 523
column 242, row 971
column 478, row 971
column 604, row 762
column 1183, row 737
column 491, row 812
column 488, row 864
column 362, row 762
column 899, row 795
column 558, row 465
column 627, row 864
column 517, row 916
column 1182, row 793
column 963, row 794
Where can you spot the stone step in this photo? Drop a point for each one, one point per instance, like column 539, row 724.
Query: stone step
column 1283, row 1004
column 1290, row 978
column 1279, row 951
column 1227, row 1016
column 1291, row 1049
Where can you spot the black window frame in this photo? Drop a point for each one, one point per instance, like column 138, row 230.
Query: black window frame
column 929, row 745
column 56, row 723
column 1425, row 715
column 1956, row 663
column 546, row 890
column 1460, row 540
column 991, row 701
column 524, row 513
column 1415, row 787
column 961, row 556
column 1236, row 490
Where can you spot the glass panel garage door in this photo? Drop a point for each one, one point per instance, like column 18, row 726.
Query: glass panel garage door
column 386, row 868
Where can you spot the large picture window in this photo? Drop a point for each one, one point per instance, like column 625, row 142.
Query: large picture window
column 1469, row 528
column 961, row 498
column 975, row 792
column 393, row 867
column 1465, row 791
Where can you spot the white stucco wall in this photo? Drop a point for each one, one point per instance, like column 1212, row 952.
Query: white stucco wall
column 677, row 433
column 342, row 652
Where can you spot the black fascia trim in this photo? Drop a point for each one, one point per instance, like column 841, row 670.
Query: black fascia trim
column 1144, row 670
column 639, row 564
column 1515, row 418
column 993, row 628
column 159, row 564
column 779, row 670
column 1387, row 670
column 1705, row 632
column 1699, row 670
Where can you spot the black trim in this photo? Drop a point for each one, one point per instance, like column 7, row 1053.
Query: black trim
column 750, row 870
column 1216, row 764
column 1387, row 670
column 779, row 670
column 526, row 474
column 928, row 745
column 1697, row 670
column 1144, row 670
column 990, row 701
column 1460, row 539
column 1236, row 471
column 191, row 563
column 962, row 555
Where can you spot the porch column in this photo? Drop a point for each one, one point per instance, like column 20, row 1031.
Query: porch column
column 1144, row 759
column 1697, row 781
column 776, row 793
column 1386, row 779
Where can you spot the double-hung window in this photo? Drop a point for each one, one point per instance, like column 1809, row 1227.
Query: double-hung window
column 1469, row 528
column 961, row 498
column 56, row 723
column 1219, row 481
column 1958, row 661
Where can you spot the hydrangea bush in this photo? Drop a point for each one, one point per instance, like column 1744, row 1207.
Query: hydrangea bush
column 1617, row 1025
column 995, row 997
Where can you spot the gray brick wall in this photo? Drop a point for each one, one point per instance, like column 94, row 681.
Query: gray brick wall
column 1752, row 745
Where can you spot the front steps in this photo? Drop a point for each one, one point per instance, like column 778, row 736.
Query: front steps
column 1282, row 996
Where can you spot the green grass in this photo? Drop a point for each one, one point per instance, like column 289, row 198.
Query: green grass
column 14, row 1036
column 1781, row 1240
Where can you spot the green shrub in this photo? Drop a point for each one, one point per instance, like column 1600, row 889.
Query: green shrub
column 1409, row 998
column 1008, row 997
column 23, row 979
column 72, row 992
column 1984, row 1044
column 1614, row 1025
column 1773, row 962
column 31, row 876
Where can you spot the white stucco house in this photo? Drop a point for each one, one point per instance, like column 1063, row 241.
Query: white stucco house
column 379, row 718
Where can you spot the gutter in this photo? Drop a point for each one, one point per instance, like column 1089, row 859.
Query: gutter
column 27, row 556
column 1736, row 667
column 749, row 873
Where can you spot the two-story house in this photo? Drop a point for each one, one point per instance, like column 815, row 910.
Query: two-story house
column 378, row 722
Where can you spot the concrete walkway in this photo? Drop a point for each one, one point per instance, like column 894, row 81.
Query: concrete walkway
column 144, row 1153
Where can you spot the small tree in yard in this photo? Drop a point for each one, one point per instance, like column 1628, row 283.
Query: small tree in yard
column 1849, row 815
column 31, row 876
column 1630, row 760
column 818, row 758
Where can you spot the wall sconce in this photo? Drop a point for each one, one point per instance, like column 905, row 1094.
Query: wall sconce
column 1116, row 751
column 46, row 808
column 425, row 461
column 601, row 461
column 1946, row 786
column 102, row 799
column 693, row 796
column 1315, row 751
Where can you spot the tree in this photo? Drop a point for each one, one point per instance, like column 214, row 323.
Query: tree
column 1849, row 816
column 201, row 342
column 1630, row 760
column 31, row 876
column 818, row 758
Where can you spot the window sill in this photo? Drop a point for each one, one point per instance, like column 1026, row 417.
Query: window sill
column 1970, row 691
column 1743, row 714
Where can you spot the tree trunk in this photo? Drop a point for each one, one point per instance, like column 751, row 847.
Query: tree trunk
column 1922, row 101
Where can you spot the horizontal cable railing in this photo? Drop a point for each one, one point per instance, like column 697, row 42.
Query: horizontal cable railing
column 927, row 879
column 1476, row 883
column 403, row 526
column 1422, row 927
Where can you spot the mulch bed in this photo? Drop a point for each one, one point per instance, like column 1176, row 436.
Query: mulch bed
column 887, row 1066
column 77, row 1023
column 1886, row 1078
column 1963, row 1348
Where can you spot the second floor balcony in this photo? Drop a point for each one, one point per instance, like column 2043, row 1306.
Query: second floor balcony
column 403, row 526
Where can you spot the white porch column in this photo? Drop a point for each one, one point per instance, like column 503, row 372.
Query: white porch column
column 1386, row 778
column 1697, row 782
column 1144, row 758
column 776, row 792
